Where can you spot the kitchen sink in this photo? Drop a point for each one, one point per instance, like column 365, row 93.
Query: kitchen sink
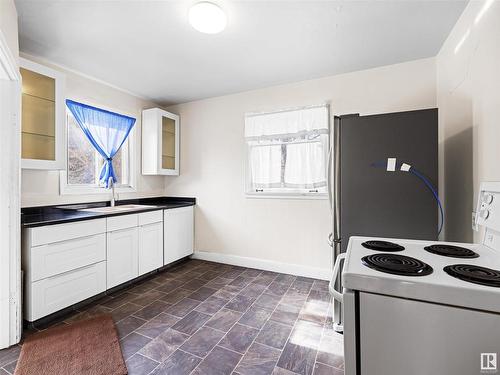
column 122, row 208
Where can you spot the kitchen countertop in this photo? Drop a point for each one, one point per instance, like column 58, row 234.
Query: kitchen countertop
column 60, row 214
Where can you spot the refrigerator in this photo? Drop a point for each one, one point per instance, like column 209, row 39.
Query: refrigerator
column 370, row 194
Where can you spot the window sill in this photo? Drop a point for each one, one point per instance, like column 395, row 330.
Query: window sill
column 286, row 196
column 86, row 190
column 65, row 189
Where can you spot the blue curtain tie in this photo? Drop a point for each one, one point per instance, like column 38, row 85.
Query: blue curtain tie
column 106, row 131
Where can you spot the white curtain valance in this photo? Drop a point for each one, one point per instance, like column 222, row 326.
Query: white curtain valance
column 289, row 123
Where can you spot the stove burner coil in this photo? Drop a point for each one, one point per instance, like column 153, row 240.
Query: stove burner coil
column 382, row 246
column 474, row 274
column 397, row 264
column 451, row 251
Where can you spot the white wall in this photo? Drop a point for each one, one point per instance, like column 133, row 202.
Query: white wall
column 213, row 152
column 468, row 94
column 42, row 187
column 8, row 25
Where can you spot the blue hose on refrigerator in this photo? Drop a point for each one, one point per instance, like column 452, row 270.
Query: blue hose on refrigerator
column 407, row 168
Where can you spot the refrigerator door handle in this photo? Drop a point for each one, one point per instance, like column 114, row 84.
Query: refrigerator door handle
column 336, row 295
column 329, row 178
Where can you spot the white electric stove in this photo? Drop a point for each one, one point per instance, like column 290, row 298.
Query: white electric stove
column 423, row 307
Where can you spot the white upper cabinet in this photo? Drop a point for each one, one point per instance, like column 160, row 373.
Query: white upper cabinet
column 160, row 142
column 42, row 117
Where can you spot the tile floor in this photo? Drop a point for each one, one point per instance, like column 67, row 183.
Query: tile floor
column 213, row 319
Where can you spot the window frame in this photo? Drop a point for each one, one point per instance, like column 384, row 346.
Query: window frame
column 70, row 189
column 282, row 193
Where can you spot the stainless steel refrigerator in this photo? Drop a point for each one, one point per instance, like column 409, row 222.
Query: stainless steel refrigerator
column 370, row 197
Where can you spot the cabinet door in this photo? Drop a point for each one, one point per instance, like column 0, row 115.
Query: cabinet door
column 178, row 233
column 43, row 117
column 122, row 256
column 169, row 143
column 150, row 247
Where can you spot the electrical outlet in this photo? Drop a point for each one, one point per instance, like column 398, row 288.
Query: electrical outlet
column 475, row 227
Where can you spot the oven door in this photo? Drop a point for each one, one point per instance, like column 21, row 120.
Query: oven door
column 400, row 336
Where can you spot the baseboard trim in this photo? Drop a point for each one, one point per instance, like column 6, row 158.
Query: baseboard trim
column 266, row 265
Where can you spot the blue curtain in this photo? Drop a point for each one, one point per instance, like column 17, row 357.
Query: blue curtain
column 106, row 131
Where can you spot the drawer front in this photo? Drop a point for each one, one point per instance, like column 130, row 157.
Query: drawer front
column 64, row 232
column 151, row 217
column 55, row 293
column 122, row 222
column 53, row 259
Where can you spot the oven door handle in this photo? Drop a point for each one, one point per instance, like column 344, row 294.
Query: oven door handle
column 336, row 295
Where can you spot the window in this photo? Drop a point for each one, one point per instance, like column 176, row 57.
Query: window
column 84, row 163
column 287, row 152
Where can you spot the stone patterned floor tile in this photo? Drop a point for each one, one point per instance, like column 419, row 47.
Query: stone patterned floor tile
column 191, row 322
column 258, row 360
column 11, row 367
column 183, row 307
column 321, row 369
column 331, row 349
column 194, row 284
column 179, row 363
column 211, row 305
column 140, row 365
column 153, row 309
column 128, row 325
column 255, row 317
column 160, row 348
column 224, row 320
column 276, row 288
column 239, row 338
column 268, row 301
column 274, row 334
column 253, row 290
column 176, row 295
column 204, row 318
column 202, row 342
column 119, row 300
column 132, row 343
column 154, row 327
column 202, row 294
column 240, row 303
column 148, row 297
column 124, row 310
column 9, row 355
column 220, row 361
column 285, row 279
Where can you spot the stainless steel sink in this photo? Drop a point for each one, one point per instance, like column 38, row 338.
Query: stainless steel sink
column 122, row 208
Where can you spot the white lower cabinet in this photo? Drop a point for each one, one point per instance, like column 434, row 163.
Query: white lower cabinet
column 122, row 255
column 178, row 234
column 57, row 292
column 150, row 247
column 67, row 263
column 63, row 265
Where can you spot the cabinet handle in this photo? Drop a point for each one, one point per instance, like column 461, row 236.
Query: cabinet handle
column 71, row 271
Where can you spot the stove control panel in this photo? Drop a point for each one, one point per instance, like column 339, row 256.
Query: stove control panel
column 488, row 208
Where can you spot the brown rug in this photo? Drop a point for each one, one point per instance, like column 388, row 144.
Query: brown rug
column 89, row 347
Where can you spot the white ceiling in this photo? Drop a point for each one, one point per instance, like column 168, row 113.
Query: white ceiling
column 148, row 47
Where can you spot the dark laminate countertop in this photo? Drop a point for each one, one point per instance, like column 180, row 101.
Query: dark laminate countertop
column 49, row 215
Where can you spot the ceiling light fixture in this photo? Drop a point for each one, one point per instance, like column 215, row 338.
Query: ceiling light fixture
column 207, row 17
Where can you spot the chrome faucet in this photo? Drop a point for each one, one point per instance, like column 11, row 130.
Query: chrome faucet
column 111, row 184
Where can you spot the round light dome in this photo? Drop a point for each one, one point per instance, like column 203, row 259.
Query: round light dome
column 207, row 18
